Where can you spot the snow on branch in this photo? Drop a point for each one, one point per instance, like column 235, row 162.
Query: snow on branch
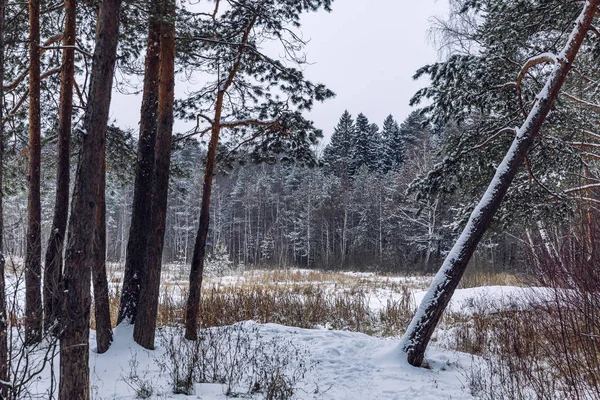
column 582, row 188
column 592, row 134
column 591, row 155
column 530, row 63
column 585, row 144
column 584, row 77
column 594, row 106
column 494, row 137
column 249, row 122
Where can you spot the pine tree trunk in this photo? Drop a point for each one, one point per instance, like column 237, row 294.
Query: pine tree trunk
column 140, row 213
column 145, row 323
column 4, row 375
column 439, row 294
column 53, row 259
column 99, row 279
column 197, row 268
column 74, row 341
column 33, row 254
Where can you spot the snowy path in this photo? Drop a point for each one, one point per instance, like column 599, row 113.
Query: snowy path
column 347, row 366
column 356, row 366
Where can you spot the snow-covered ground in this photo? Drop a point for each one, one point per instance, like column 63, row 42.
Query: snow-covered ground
column 342, row 365
column 339, row 364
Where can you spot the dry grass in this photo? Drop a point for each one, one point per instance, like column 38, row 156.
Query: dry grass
column 474, row 278
column 542, row 351
column 305, row 299
column 303, row 306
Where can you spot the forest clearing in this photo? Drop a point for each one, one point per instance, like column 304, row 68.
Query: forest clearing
column 318, row 335
column 299, row 199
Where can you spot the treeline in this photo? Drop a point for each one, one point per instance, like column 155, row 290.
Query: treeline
column 348, row 212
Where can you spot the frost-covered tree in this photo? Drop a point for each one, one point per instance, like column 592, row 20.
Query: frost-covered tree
column 518, row 94
column 362, row 143
column 337, row 156
column 393, row 145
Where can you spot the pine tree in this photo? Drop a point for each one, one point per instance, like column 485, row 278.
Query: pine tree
column 145, row 326
column 539, row 99
column 4, row 357
column 74, row 340
column 53, row 259
column 255, row 117
column 140, row 214
column 33, row 257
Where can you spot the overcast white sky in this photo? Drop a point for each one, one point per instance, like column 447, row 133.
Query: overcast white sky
column 365, row 51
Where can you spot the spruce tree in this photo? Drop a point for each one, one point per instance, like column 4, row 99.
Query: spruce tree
column 361, row 144
column 393, row 145
column 375, row 149
column 338, row 153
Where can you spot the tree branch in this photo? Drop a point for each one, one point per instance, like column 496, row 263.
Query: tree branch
column 532, row 62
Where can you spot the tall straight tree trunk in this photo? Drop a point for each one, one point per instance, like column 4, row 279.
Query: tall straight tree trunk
column 145, row 323
column 447, row 279
column 197, row 267
column 3, row 314
column 33, row 254
column 53, row 261
column 99, row 279
column 75, row 316
column 142, row 193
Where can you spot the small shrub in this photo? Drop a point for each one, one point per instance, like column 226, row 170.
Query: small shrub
column 235, row 356
column 142, row 386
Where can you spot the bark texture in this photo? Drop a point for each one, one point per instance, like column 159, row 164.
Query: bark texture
column 197, row 268
column 439, row 294
column 140, row 213
column 145, row 324
column 53, row 259
column 3, row 313
column 100, row 281
column 33, row 255
column 74, row 340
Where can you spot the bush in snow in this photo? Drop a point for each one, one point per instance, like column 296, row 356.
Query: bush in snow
column 236, row 356
column 218, row 262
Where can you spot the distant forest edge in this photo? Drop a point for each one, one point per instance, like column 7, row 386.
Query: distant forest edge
column 366, row 204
